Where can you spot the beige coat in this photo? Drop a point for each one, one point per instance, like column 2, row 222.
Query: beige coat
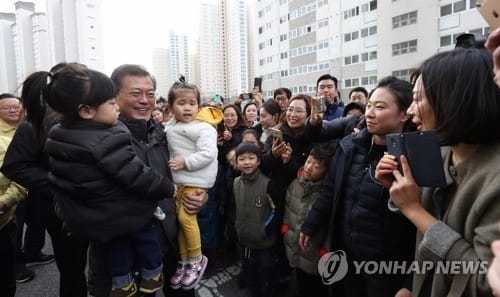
column 468, row 210
column 10, row 192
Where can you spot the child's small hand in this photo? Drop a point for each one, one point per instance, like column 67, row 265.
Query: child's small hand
column 177, row 163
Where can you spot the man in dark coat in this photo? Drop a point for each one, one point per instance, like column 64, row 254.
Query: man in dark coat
column 136, row 99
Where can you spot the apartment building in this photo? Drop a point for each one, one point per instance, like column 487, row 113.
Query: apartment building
column 358, row 41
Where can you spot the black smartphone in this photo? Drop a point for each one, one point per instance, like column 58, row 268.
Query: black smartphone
column 257, row 84
column 423, row 152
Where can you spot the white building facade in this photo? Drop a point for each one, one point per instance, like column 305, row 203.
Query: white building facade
column 161, row 71
column 178, row 56
column 70, row 31
column 211, row 59
column 223, row 49
column 8, row 77
column 358, row 41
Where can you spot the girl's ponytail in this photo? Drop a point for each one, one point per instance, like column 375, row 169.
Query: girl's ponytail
column 36, row 89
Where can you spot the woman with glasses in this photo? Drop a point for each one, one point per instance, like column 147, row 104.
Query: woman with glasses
column 352, row 205
column 294, row 140
column 229, row 136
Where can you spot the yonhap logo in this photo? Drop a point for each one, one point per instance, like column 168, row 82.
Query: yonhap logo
column 332, row 267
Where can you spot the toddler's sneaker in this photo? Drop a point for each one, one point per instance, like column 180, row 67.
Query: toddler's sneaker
column 159, row 214
column 151, row 285
column 129, row 290
column 194, row 273
column 175, row 280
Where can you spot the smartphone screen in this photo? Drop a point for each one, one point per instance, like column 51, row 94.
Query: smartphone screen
column 319, row 104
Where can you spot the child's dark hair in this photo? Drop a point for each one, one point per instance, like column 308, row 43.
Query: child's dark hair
column 247, row 147
column 183, row 85
column 321, row 153
column 253, row 132
column 64, row 90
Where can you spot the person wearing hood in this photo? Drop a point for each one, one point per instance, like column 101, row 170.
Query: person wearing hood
column 300, row 196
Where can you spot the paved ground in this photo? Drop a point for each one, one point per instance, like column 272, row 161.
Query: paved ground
column 46, row 283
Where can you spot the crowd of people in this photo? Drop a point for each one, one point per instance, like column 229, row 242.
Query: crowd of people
column 150, row 194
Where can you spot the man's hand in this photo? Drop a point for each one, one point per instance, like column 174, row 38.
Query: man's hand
column 194, row 202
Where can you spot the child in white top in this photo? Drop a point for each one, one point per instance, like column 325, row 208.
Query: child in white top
column 192, row 142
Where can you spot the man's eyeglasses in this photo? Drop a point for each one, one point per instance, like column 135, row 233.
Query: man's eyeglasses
column 295, row 110
column 281, row 98
column 5, row 108
column 138, row 95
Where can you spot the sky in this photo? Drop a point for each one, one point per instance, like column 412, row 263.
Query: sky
column 132, row 28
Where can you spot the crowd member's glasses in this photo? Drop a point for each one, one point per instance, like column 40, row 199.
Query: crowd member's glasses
column 469, row 40
column 5, row 108
column 295, row 110
column 139, row 94
column 230, row 115
column 281, row 98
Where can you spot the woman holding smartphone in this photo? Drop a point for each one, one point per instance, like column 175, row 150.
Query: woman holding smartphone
column 454, row 93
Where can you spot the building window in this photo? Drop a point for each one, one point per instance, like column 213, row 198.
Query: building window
column 372, row 5
column 454, row 7
column 284, row 55
column 404, row 47
column 446, row 10
column 351, row 12
column 459, row 6
column 404, row 19
column 404, row 74
column 445, row 41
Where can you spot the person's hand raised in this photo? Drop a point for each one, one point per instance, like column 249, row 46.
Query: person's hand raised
column 316, row 115
column 493, row 44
